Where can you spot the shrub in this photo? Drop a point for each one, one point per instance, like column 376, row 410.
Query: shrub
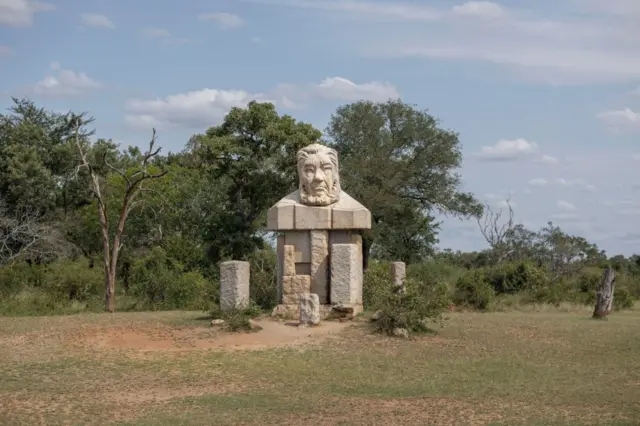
column 622, row 298
column 511, row 278
column 158, row 282
column 238, row 319
column 474, row 290
column 263, row 286
column 377, row 284
column 420, row 305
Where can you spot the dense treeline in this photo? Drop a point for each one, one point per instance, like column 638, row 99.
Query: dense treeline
column 84, row 220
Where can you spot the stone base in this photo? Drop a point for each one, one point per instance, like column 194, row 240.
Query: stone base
column 292, row 311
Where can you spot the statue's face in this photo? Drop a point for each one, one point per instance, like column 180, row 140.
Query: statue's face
column 317, row 175
column 319, row 181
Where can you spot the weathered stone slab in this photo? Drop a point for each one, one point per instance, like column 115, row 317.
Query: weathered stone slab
column 312, row 217
column 280, row 217
column 320, row 264
column 398, row 275
column 309, row 309
column 300, row 240
column 234, row 285
column 359, row 218
column 346, row 274
column 293, row 287
column 289, row 260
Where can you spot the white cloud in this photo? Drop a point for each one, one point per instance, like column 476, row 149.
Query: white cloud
column 338, row 88
column 4, row 50
column 565, row 205
column 579, row 45
column 63, row 82
column 548, row 159
column 563, row 216
column 222, row 19
column 538, row 182
column 96, row 20
column 19, row 13
column 507, row 150
column 620, row 120
column 199, row 108
column 206, row 107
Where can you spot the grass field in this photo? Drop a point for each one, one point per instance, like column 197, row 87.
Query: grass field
column 171, row 368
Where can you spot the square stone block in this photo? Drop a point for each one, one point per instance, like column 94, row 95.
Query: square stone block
column 346, row 274
column 301, row 241
column 351, row 219
column 309, row 217
column 280, row 217
column 293, row 287
column 234, row 285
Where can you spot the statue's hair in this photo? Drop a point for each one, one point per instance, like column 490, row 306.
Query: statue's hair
column 317, row 148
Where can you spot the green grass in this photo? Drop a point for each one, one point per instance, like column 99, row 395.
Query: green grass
column 536, row 368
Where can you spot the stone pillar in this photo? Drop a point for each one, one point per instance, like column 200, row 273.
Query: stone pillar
column 320, row 265
column 279, row 267
column 309, row 309
column 346, row 275
column 398, row 275
column 234, row 285
column 292, row 287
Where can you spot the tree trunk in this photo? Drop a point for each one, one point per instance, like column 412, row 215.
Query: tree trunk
column 110, row 287
column 604, row 294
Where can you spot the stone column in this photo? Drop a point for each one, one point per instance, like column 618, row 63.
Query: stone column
column 234, row 285
column 320, row 265
column 399, row 275
column 346, row 275
column 309, row 309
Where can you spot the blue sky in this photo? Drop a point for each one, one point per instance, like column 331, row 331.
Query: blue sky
column 546, row 98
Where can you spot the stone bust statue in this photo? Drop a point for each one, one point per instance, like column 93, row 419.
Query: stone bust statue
column 318, row 174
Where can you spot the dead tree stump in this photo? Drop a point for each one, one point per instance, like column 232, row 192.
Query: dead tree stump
column 604, row 294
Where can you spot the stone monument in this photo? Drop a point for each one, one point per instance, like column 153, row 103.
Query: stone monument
column 319, row 244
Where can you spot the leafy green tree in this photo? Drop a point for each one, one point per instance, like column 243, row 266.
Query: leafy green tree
column 402, row 166
column 249, row 159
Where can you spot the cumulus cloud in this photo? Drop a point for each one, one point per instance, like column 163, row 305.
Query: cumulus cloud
column 222, row 19
column 565, row 205
column 583, row 44
column 64, row 83
column 19, row 13
column 621, row 120
column 206, row 107
column 97, row 21
column 507, row 150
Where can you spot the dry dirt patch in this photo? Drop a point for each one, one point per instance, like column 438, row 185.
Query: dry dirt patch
column 163, row 338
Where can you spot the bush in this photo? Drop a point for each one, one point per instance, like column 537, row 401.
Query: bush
column 158, row 282
column 421, row 305
column 377, row 285
column 474, row 290
column 238, row 319
column 511, row 278
column 263, row 286
column 622, row 298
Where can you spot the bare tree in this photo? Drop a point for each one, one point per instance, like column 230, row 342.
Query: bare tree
column 23, row 236
column 133, row 186
column 495, row 232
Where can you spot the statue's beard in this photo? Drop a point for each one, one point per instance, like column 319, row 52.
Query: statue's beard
column 323, row 198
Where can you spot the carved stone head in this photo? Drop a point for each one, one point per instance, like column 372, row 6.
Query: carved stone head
column 318, row 173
